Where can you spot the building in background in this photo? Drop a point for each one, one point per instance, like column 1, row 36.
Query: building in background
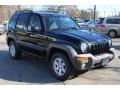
column 6, row 11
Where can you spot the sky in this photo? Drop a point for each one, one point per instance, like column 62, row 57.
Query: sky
column 104, row 10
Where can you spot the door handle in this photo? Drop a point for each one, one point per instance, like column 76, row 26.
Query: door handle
column 38, row 36
column 31, row 35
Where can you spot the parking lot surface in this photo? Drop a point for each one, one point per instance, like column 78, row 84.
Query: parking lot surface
column 32, row 70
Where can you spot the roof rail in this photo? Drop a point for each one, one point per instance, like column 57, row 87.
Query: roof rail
column 50, row 11
column 25, row 11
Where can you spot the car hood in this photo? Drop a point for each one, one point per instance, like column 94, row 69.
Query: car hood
column 89, row 36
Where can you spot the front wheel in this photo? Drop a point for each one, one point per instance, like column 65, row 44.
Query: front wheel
column 60, row 66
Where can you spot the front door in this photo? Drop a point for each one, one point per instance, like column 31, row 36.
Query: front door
column 37, row 39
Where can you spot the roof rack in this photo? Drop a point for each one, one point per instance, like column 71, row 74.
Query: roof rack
column 50, row 11
column 24, row 11
column 36, row 11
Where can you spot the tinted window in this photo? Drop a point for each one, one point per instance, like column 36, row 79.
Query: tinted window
column 34, row 24
column 23, row 18
column 100, row 21
column 13, row 21
column 113, row 21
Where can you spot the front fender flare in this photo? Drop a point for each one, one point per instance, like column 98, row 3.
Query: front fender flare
column 67, row 48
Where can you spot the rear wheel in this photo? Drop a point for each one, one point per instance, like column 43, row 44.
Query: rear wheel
column 13, row 50
column 112, row 34
column 60, row 66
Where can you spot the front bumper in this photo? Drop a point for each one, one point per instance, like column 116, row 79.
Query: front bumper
column 98, row 60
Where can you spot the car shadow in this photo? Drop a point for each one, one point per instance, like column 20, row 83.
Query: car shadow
column 104, row 75
column 116, row 69
column 29, row 69
column 117, row 47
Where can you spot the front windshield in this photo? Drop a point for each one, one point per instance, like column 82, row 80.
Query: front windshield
column 59, row 22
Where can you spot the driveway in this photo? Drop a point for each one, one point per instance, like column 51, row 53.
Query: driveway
column 32, row 70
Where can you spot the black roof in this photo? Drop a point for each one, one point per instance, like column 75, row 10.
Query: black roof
column 48, row 13
column 42, row 12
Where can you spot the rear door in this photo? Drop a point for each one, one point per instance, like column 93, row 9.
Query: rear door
column 21, row 29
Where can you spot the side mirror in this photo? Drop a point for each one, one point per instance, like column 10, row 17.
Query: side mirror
column 33, row 29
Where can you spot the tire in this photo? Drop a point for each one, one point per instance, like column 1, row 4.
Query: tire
column 60, row 63
column 13, row 50
column 112, row 34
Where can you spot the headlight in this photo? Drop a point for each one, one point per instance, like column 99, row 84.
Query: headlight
column 110, row 43
column 83, row 47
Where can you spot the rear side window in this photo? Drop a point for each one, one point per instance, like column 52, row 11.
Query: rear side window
column 100, row 21
column 22, row 21
column 13, row 21
column 113, row 21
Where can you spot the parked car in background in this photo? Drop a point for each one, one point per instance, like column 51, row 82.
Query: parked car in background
column 5, row 23
column 88, row 25
column 109, row 26
column 2, row 29
column 87, row 20
column 80, row 22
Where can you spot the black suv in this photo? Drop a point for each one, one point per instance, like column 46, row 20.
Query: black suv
column 58, row 39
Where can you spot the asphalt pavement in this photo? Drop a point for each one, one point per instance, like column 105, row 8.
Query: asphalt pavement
column 32, row 70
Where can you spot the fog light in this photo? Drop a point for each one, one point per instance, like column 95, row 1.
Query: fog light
column 83, row 66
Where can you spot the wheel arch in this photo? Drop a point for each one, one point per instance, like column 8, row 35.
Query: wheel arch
column 9, row 40
column 68, row 50
column 14, row 39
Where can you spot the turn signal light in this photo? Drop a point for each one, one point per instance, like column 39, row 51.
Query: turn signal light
column 81, row 58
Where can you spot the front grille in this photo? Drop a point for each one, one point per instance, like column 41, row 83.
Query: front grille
column 99, row 48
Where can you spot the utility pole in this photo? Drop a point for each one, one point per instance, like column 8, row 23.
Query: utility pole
column 115, row 11
column 94, row 12
column 104, row 13
column 19, row 7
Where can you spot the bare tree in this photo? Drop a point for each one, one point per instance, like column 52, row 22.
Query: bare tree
column 51, row 7
column 71, row 10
